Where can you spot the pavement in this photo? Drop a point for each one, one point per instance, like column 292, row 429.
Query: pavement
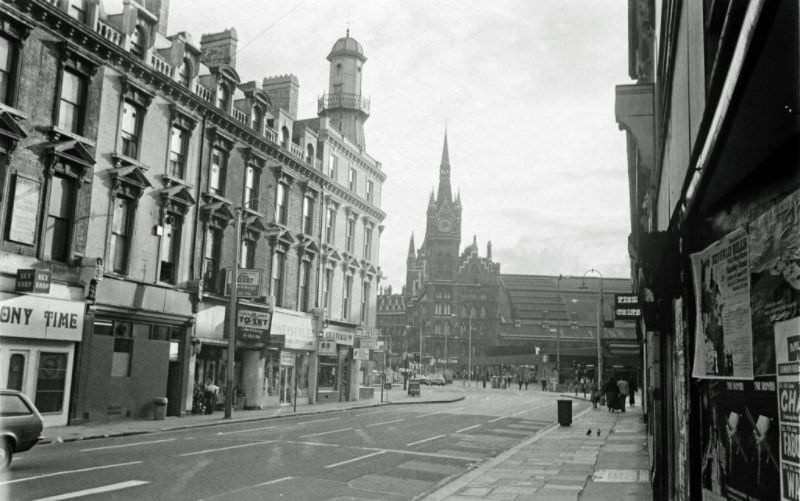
column 124, row 426
column 565, row 463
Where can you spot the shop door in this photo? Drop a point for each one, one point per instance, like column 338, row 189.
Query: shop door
column 174, row 403
column 17, row 363
column 287, row 385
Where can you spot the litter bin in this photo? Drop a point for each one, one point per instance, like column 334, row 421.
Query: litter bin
column 160, row 408
column 565, row 412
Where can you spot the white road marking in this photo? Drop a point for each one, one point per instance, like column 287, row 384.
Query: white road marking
column 368, row 413
column 315, row 444
column 426, row 415
column 430, row 454
column 67, row 472
column 96, row 490
column 319, row 420
column 283, row 479
column 134, row 444
column 245, row 431
column 425, row 440
column 324, row 433
column 340, row 463
column 468, row 428
column 497, row 419
column 386, row 422
column 206, row 451
column 228, row 494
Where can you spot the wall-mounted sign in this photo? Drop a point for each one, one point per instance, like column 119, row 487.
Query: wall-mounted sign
column 30, row 280
column 287, row 358
column 41, row 317
column 626, row 307
column 22, row 227
column 327, row 348
column 249, row 283
column 339, row 335
column 252, row 326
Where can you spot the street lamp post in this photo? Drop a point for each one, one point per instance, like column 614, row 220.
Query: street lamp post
column 599, row 374
column 469, row 347
column 230, row 373
column 558, row 330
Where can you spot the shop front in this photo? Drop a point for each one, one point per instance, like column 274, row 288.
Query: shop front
column 289, row 367
column 338, row 370
column 38, row 336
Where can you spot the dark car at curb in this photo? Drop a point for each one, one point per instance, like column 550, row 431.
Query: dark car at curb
column 20, row 425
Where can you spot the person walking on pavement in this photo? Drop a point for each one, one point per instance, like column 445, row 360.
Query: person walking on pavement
column 519, row 382
column 624, row 388
column 595, row 394
column 526, row 383
column 632, row 399
column 611, row 390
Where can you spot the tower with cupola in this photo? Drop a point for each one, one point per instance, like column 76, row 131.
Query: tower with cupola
column 343, row 104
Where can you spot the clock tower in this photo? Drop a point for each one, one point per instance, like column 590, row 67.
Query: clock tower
column 443, row 228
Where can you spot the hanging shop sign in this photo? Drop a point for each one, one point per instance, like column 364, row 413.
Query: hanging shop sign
column 253, row 326
column 248, row 283
column 360, row 354
column 626, row 308
column 339, row 335
column 787, row 358
column 723, row 336
column 287, row 358
column 327, row 348
column 368, row 343
column 41, row 317
column 30, row 280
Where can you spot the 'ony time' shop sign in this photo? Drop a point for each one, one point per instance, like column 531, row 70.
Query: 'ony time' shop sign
column 40, row 317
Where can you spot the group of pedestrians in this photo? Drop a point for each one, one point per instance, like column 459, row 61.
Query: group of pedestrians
column 616, row 391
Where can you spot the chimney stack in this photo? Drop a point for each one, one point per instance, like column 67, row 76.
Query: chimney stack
column 284, row 91
column 219, row 48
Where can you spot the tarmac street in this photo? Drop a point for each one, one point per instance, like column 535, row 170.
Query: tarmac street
column 357, row 450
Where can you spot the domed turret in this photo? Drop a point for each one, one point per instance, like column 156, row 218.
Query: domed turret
column 347, row 46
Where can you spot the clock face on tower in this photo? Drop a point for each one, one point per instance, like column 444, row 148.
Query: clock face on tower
column 445, row 225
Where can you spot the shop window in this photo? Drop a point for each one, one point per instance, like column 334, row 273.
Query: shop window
column 252, row 180
column 16, row 371
column 123, row 349
column 60, row 217
column 219, row 168
column 170, row 248
column 121, row 234
column 308, row 215
column 130, row 130
column 178, row 145
column 51, row 382
column 72, row 99
column 278, row 262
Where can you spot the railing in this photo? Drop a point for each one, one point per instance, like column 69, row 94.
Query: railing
column 271, row 134
column 297, row 151
column 106, row 31
column 318, row 163
column 204, row 93
column 239, row 116
column 343, row 100
column 161, row 65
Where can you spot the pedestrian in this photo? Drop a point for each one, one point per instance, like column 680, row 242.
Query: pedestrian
column 484, row 380
column 632, row 399
column 595, row 394
column 611, row 390
column 544, row 384
column 526, row 383
column 583, row 386
column 211, row 393
column 519, row 382
column 624, row 388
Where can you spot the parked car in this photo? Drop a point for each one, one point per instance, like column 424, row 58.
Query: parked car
column 419, row 378
column 437, row 379
column 20, row 425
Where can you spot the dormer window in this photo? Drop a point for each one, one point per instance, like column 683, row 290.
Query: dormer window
column 185, row 72
column 257, row 120
column 223, row 96
column 137, row 43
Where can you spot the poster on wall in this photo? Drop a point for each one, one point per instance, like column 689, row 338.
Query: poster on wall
column 679, row 371
column 787, row 355
column 740, row 442
column 723, row 336
column 774, row 245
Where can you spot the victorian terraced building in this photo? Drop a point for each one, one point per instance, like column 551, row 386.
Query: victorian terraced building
column 137, row 169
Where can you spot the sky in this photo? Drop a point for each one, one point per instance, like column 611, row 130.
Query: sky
column 524, row 88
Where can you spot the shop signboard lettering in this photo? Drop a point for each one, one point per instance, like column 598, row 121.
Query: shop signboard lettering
column 41, row 317
column 326, row 348
column 298, row 329
column 253, row 326
column 30, row 280
column 787, row 339
column 339, row 336
column 248, row 283
column 287, row 358
column 626, row 307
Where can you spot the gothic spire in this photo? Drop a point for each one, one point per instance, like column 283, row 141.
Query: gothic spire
column 444, row 194
column 411, row 247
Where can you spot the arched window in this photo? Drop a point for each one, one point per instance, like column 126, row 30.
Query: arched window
column 138, row 39
column 284, row 137
column 257, row 120
column 223, row 96
column 185, row 72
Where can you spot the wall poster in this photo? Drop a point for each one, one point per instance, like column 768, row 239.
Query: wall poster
column 774, row 243
column 787, row 354
column 740, row 441
column 22, row 227
column 723, row 335
column 679, row 371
